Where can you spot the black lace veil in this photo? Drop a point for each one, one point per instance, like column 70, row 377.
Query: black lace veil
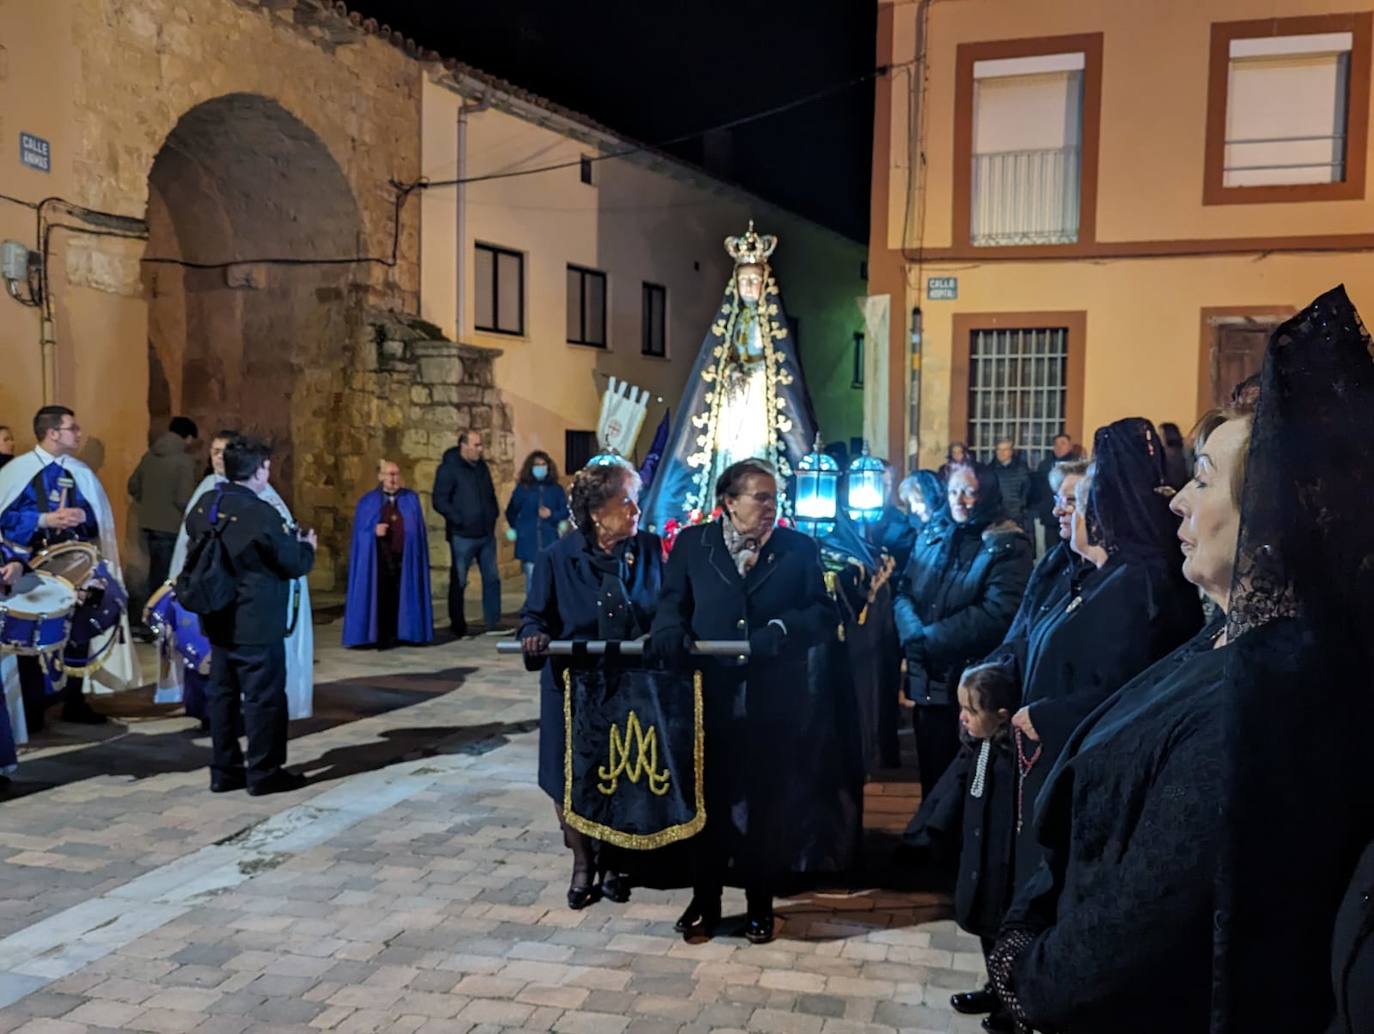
column 1128, row 507
column 1298, row 704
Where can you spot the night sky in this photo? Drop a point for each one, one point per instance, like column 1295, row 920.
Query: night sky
column 658, row 69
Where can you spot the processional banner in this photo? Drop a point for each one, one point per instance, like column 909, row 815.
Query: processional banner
column 632, row 759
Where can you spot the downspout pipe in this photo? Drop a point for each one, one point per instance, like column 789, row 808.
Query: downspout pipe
column 465, row 109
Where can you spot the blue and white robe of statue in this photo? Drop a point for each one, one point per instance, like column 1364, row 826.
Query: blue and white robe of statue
column 300, row 644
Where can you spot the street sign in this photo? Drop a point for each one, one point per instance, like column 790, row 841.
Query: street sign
column 35, row 152
column 942, row 288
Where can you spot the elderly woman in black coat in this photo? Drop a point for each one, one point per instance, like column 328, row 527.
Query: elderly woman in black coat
column 955, row 603
column 742, row 577
column 600, row 582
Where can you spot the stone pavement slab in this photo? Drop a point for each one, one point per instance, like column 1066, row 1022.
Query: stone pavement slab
column 416, row 884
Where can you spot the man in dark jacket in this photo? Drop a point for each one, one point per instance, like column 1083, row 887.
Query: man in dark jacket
column 161, row 486
column 247, row 658
column 465, row 496
column 1014, row 479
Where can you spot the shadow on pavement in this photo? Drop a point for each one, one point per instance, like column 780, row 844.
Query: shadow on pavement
column 397, row 745
column 118, row 749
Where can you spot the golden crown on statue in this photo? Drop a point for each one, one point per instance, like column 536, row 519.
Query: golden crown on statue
column 750, row 249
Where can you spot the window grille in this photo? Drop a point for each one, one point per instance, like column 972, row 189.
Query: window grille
column 1018, row 389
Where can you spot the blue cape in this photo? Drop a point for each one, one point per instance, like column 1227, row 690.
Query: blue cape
column 415, row 617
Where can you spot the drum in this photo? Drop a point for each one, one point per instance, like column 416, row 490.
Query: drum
column 179, row 628
column 36, row 615
column 99, row 611
column 75, row 562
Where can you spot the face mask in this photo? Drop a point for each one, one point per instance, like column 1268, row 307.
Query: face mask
column 540, row 472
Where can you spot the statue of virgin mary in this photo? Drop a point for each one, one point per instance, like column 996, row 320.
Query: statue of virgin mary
column 745, row 397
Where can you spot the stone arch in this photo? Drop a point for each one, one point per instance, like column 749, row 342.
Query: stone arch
column 259, row 346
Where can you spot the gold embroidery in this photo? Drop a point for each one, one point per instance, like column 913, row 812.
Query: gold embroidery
column 639, row 841
column 645, row 763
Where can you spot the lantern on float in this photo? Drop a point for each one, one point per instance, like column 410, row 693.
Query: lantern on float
column 865, row 493
column 818, row 479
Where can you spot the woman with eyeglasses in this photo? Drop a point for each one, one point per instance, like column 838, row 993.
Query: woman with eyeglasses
column 599, row 582
column 743, row 577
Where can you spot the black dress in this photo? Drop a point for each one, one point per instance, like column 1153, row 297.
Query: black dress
column 1116, row 621
column 784, row 779
column 1129, row 822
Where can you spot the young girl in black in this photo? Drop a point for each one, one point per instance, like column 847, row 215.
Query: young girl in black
column 988, row 694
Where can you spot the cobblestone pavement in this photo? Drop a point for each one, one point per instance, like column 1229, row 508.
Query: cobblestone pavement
column 416, row 885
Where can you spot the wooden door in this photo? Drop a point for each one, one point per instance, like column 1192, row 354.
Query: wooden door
column 1237, row 353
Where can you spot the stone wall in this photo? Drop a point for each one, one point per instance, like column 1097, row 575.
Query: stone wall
column 406, row 399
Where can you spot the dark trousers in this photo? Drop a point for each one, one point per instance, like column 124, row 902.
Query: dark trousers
column 464, row 552
column 388, row 596
column 37, row 691
column 160, row 546
column 247, row 690
column 937, row 741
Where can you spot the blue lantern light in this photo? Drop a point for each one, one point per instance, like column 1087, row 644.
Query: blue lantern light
column 866, row 493
column 818, row 479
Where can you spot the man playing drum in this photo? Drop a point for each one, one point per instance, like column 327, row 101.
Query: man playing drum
column 47, row 498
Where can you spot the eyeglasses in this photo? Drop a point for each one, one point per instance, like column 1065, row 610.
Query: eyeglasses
column 73, row 428
column 762, row 498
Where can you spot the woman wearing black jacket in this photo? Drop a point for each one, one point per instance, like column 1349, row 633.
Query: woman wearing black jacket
column 955, row 603
column 1128, row 605
column 741, row 577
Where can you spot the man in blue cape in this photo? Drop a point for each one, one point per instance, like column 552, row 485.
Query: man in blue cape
column 388, row 568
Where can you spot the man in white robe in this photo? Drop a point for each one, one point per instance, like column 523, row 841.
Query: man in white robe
column 48, row 496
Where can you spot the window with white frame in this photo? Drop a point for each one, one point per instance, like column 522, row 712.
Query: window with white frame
column 1287, row 99
column 1027, row 138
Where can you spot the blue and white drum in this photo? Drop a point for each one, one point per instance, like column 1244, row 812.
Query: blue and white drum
column 178, row 628
column 36, row 615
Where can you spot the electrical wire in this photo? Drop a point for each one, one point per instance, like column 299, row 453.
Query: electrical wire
column 743, row 120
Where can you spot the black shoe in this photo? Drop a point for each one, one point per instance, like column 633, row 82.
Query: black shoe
column 974, row 1003
column 280, row 781
column 615, row 887
column 82, row 714
column 228, row 783
column 582, row 891
column 700, row 919
column 758, row 929
column 999, row 1023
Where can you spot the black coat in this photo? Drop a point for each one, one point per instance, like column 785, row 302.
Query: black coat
column 1352, row 959
column 986, row 857
column 265, row 557
column 783, row 779
column 1118, row 621
column 894, row 532
column 465, row 496
column 957, row 599
column 562, row 604
column 1015, row 481
column 1130, row 822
